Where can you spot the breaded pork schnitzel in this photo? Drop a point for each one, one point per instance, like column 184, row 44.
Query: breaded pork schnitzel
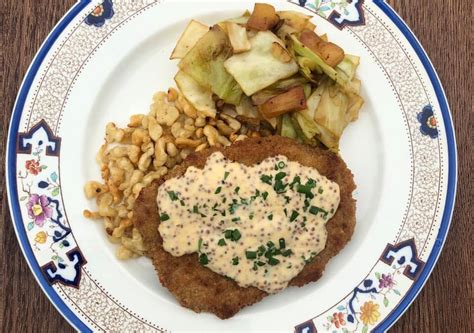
column 202, row 290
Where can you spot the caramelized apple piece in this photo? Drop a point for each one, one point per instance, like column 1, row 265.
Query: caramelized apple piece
column 329, row 52
column 264, row 17
column 290, row 101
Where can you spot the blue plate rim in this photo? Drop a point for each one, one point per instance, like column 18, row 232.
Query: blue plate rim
column 74, row 320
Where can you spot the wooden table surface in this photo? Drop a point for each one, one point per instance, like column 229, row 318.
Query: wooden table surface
column 443, row 27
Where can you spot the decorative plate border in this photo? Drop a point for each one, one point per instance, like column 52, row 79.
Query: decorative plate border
column 391, row 253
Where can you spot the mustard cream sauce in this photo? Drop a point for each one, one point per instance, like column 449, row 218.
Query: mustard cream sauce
column 257, row 225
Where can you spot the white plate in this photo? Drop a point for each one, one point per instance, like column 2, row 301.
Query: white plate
column 104, row 63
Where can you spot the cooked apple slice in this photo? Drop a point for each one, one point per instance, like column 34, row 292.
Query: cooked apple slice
column 290, row 101
column 329, row 52
column 264, row 17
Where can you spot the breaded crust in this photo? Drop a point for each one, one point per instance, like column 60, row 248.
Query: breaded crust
column 200, row 289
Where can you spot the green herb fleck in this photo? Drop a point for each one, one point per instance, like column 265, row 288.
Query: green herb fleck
column 279, row 187
column 316, row 210
column 296, row 180
column 265, row 195
column 181, row 202
column 172, row 195
column 236, row 219
column 164, row 217
column 281, row 164
column 280, row 176
column 203, row 260
column 251, row 216
column 199, row 244
column 287, row 253
column 221, row 242
column 228, row 234
column 237, row 189
column 320, row 190
column 218, row 190
column 306, row 190
column 273, row 261
column 226, row 174
column 270, row 217
column 251, row 254
column 236, row 235
column 281, row 241
column 294, row 215
column 235, row 261
column 266, row 179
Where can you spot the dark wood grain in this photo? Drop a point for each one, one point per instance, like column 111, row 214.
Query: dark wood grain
column 443, row 27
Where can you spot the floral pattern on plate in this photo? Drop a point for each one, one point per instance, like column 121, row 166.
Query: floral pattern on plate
column 101, row 14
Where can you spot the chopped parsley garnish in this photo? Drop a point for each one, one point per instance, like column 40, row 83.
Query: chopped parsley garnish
column 282, row 243
column 270, row 244
column 235, row 261
column 199, row 244
column 181, row 202
column 294, row 215
column 251, row 254
column 265, row 195
column 237, row 189
column 236, row 219
column 287, row 253
column 285, row 211
column 233, row 207
column 280, row 176
column 226, row 174
column 270, row 217
column 320, row 190
column 218, row 190
column 251, row 216
column 221, row 242
column 164, row 217
column 266, row 179
column 316, row 210
column 281, row 164
column 306, row 205
column 172, row 195
column 306, row 190
column 236, row 235
column 195, row 209
column 279, row 187
column 273, row 261
column 296, row 180
column 203, row 260
column 228, row 234
column 233, row 235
